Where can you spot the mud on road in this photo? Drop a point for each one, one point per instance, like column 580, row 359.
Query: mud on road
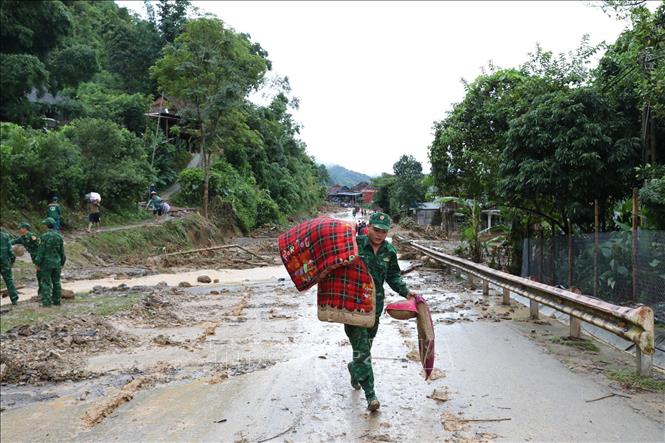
column 245, row 359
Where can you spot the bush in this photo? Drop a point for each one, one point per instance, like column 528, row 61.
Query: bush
column 35, row 165
column 113, row 160
column 267, row 210
column 191, row 186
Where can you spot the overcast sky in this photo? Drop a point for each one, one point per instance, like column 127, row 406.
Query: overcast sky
column 373, row 77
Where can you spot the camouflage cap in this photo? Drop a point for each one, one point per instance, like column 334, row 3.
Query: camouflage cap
column 380, row 220
column 48, row 221
column 24, row 225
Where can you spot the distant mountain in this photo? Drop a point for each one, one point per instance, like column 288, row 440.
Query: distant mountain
column 345, row 177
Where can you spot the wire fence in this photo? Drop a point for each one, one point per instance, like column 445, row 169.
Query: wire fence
column 602, row 267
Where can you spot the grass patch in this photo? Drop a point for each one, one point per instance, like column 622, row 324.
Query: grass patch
column 581, row 344
column 631, row 379
column 29, row 314
column 146, row 241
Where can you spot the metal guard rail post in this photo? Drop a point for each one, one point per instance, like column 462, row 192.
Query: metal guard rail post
column 633, row 324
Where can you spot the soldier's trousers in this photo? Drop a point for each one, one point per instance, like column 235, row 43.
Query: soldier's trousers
column 6, row 271
column 50, row 289
column 361, row 366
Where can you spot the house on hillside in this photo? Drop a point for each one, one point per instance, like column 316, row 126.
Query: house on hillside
column 50, row 106
column 165, row 112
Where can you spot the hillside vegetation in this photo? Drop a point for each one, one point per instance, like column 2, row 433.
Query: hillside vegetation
column 96, row 69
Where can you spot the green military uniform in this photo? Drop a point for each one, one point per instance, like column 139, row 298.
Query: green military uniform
column 53, row 211
column 30, row 242
column 50, row 259
column 7, row 259
column 383, row 267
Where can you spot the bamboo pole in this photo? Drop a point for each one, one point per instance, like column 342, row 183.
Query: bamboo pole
column 634, row 248
column 553, row 256
column 570, row 254
column 541, row 245
column 596, row 248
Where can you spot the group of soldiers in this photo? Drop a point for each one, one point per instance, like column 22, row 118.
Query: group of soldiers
column 47, row 252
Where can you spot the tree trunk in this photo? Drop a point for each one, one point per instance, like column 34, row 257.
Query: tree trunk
column 516, row 239
column 206, row 171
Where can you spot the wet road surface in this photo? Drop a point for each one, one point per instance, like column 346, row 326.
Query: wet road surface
column 261, row 365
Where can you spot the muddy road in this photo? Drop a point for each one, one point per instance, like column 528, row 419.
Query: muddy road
column 245, row 359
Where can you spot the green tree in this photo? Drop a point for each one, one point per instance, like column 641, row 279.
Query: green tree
column 172, row 18
column 72, row 65
column 467, row 143
column 408, row 186
column 113, row 160
column 32, row 27
column 384, row 197
column 324, row 176
column 631, row 74
column 132, row 48
column 211, row 69
column 566, row 151
column 21, row 73
column 34, row 165
column 124, row 109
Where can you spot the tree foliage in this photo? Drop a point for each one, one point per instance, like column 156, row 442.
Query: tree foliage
column 565, row 151
column 72, row 65
column 408, row 186
column 211, row 69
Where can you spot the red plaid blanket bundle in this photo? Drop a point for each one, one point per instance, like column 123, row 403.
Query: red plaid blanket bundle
column 313, row 248
column 347, row 296
column 323, row 250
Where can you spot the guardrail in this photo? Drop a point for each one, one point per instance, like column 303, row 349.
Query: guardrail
column 633, row 324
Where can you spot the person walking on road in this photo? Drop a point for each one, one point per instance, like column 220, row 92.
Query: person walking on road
column 155, row 204
column 7, row 259
column 30, row 241
column 380, row 257
column 50, row 260
column 54, row 211
column 94, row 214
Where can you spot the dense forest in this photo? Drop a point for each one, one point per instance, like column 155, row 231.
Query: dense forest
column 84, row 87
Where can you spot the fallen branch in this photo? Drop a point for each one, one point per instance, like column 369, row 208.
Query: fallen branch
column 607, row 396
column 212, row 248
column 483, row 419
column 275, row 436
column 194, row 251
column 251, row 253
column 247, row 262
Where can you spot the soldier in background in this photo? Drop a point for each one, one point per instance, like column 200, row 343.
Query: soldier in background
column 50, row 260
column 7, row 259
column 30, row 241
column 54, row 212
